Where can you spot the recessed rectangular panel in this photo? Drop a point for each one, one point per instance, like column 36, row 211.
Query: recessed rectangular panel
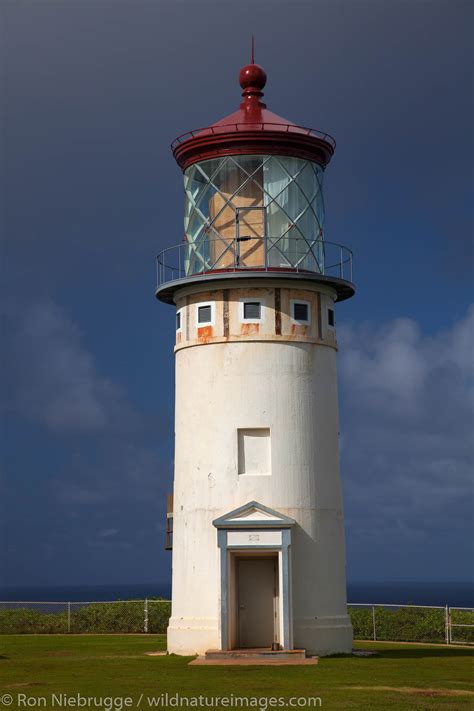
column 254, row 451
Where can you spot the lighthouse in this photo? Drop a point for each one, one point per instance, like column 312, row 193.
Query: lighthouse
column 258, row 559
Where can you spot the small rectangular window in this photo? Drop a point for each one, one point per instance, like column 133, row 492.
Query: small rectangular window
column 178, row 320
column 252, row 310
column 205, row 314
column 300, row 312
column 331, row 318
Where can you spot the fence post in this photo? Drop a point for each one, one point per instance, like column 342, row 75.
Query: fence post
column 446, row 624
column 69, row 617
column 373, row 622
column 145, row 619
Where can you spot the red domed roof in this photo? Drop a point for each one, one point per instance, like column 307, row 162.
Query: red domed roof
column 252, row 129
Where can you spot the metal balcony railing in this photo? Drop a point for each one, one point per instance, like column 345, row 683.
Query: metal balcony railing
column 251, row 254
column 254, row 126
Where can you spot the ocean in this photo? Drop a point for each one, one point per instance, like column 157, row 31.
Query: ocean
column 454, row 594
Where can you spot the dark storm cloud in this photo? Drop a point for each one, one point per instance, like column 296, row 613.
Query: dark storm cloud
column 407, row 454
column 53, row 378
column 87, row 473
column 95, row 92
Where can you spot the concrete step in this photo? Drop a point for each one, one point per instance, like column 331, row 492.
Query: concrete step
column 262, row 654
column 261, row 661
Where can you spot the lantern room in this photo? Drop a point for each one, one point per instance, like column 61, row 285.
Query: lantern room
column 254, row 197
column 251, row 211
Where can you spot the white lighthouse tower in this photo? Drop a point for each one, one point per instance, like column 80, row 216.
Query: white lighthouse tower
column 258, row 539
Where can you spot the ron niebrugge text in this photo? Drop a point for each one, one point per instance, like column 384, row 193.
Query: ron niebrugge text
column 165, row 700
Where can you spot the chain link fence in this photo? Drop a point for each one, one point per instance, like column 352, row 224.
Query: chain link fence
column 461, row 625
column 120, row 617
column 412, row 623
column 391, row 623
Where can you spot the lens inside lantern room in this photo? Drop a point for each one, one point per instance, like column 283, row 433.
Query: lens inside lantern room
column 254, row 211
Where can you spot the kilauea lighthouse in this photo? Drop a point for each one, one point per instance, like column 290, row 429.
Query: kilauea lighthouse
column 257, row 522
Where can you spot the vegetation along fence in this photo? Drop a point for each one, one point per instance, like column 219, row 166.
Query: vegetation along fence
column 119, row 616
column 404, row 623
column 412, row 623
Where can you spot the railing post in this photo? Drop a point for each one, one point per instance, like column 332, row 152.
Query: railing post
column 69, row 618
column 373, row 623
column 145, row 617
column 446, row 624
column 237, row 240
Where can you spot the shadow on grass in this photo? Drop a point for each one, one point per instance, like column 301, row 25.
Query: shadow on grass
column 407, row 653
column 424, row 653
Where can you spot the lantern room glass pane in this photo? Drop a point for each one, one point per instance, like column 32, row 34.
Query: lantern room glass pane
column 252, row 212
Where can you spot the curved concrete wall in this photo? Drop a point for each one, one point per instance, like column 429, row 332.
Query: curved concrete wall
column 290, row 387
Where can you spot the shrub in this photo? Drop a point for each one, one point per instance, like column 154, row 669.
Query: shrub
column 402, row 624
column 99, row 617
column 25, row 620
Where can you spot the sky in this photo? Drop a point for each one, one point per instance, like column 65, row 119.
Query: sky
column 93, row 94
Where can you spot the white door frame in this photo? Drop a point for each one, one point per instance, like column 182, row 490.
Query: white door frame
column 271, row 534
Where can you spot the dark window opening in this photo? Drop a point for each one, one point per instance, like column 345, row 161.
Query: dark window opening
column 204, row 314
column 252, row 309
column 178, row 320
column 169, row 523
column 300, row 312
column 331, row 317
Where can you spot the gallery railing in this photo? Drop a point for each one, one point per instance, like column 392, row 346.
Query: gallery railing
column 254, row 126
column 247, row 253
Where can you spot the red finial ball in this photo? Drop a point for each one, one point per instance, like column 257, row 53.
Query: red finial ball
column 252, row 78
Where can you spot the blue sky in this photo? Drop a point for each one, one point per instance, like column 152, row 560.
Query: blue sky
column 95, row 92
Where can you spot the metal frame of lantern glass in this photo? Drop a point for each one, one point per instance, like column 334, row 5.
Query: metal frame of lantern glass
column 254, row 211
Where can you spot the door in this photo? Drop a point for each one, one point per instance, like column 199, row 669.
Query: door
column 257, row 601
column 250, row 236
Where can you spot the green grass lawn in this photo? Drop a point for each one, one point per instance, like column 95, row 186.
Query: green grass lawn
column 401, row 676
